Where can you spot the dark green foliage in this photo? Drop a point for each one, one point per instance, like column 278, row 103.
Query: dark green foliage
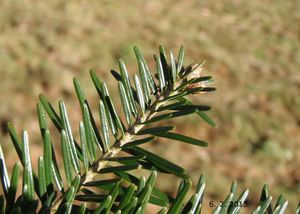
column 182, row 138
column 86, row 165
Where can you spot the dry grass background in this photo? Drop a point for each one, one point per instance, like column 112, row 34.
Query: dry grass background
column 252, row 49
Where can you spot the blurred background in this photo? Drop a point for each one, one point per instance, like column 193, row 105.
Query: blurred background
column 251, row 48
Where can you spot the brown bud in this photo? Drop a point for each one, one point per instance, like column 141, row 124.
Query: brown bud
column 196, row 72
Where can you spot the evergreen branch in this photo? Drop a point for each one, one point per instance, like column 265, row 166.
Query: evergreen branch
column 133, row 130
column 149, row 102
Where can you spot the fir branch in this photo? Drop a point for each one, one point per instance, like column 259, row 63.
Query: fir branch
column 128, row 136
column 148, row 102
